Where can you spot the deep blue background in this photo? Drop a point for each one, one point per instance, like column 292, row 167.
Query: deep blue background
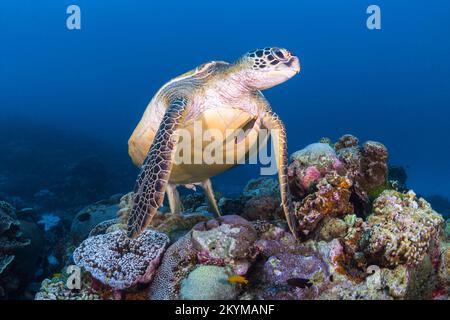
column 390, row 85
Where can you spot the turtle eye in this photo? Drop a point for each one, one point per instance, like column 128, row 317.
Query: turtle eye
column 281, row 54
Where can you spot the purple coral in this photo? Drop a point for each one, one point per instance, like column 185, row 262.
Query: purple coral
column 222, row 240
column 280, row 268
column 120, row 262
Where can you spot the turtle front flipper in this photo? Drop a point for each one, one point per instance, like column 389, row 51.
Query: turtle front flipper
column 278, row 133
column 155, row 171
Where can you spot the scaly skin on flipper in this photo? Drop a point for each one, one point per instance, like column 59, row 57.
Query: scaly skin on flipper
column 278, row 132
column 152, row 180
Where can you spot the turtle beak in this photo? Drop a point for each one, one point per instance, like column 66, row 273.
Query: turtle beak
column 294, row 64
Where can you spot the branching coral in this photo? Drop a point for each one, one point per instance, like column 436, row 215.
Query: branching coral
column 401, row 229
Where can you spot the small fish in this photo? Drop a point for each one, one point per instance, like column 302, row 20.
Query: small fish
column 56, row 275
column 238, row 279
column 300, row 282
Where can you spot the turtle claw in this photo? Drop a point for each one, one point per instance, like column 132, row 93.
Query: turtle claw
column 291, row 219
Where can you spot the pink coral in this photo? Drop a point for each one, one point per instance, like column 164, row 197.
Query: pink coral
column 310, row 165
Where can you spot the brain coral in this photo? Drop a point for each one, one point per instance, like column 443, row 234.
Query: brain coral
column 120, row 262
column 401, row 229
column 178, row 261
column 208, row 283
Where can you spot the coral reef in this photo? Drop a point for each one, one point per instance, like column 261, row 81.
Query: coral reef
column 224, row 240
column 11, row 241
column 261, row 200
column 176, row 226
column 208, row 283
column 447, row 230
column 56, row 289
column 120, row 262
column 363, row 235
column 401, row 229
column 104, row 227
column 261, row 187
column 332, row 199
column 329, row 182
column 178, row 261
column 444, row 267
column 366, row 166
column 397, row 177
column 298, row 275
column 311, row 164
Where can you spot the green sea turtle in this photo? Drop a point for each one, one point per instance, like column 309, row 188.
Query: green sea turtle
column 219, row 96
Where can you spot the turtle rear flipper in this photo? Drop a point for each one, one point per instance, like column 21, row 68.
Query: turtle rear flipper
column 207, row 186
column 152, row 181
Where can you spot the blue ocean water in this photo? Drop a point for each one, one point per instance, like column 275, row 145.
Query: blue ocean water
column 390, row 85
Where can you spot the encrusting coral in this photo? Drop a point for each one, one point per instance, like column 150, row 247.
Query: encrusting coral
column 401, row 229
column 311, row 164
column 120, row 262
column 331, row 199
column 224, row 240
column 329, row 182
column 366, row 166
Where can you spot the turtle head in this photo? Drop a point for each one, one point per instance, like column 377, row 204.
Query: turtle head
column 268, row 67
